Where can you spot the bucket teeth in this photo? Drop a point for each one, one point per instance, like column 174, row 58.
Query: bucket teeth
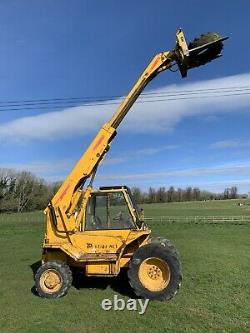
column 200, row 56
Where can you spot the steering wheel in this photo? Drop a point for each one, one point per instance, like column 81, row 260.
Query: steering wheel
column 118, row 216
column 96, row 222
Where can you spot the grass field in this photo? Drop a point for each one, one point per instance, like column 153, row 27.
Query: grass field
column 200, row 208
column 214, row 296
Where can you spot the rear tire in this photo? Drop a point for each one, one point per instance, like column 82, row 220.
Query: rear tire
column 155, row 272
column 53, row 279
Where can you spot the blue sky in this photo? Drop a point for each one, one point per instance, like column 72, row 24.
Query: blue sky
column 60, row 49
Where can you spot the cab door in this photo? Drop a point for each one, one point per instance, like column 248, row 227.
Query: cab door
column 108, row 223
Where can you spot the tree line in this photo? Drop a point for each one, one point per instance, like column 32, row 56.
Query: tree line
column 172, row 194
column 22, row 191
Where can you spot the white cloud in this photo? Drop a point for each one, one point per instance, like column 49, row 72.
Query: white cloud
column 209, row 178
column 48, row 169
column 232, row 143
column 154, row 150
column 57, row 170
column 224, row 170
column 128, row 155
column 41, row 168
column 160, row 115
column 115, row 160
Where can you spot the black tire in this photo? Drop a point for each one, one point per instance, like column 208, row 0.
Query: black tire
column 163, row 254
column 61, row 272
column 166, row 243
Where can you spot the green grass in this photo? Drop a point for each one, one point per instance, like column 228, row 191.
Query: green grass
column 214, row 296
column 199, row 208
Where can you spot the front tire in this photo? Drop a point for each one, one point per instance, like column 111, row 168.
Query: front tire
column 53, row 279
column 166, row 243
column 155, row 272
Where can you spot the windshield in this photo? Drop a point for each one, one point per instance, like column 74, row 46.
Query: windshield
column 137, row 210
column 108, row 211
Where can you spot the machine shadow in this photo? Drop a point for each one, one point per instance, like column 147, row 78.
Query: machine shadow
column 34, row 267
column 118, row 284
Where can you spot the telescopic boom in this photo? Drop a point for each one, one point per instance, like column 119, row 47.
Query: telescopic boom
column 206, row 49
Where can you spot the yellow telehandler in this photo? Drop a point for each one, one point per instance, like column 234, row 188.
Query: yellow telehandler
column 101, row 231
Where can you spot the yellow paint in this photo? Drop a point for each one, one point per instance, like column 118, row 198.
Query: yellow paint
column 50, row 281
column 98, row 269
column 100, row 251
column 154, row 274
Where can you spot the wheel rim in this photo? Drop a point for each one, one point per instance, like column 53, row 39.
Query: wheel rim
column 154, row 274
column 51, row 281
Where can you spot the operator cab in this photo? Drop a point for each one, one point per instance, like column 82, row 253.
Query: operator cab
column 112, row 208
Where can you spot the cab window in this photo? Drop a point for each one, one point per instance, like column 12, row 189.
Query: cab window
column 108, row 211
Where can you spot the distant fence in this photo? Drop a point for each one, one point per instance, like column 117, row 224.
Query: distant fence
column 38, row 219
column 198, row 220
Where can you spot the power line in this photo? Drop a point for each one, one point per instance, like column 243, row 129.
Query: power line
column 148, row 95
column 108, row 97
column 56, row 103
column 140, row 101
